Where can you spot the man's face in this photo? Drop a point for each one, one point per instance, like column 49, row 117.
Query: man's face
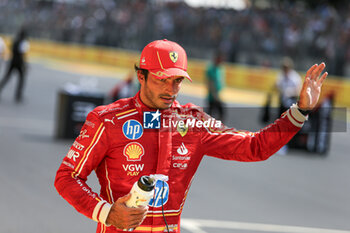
column 159, row 93
column 285, row 69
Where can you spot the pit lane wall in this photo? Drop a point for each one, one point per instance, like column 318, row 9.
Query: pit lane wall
column 237, row 76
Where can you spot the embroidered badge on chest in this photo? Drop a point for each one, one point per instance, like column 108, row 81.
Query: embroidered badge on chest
column 182, row 130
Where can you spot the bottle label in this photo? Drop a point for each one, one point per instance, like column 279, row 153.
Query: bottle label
column 161, row 194
column 138, row 197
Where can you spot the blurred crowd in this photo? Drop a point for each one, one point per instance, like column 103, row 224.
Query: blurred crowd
column 254, row 36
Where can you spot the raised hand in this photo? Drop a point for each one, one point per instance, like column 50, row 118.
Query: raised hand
column 311, row 90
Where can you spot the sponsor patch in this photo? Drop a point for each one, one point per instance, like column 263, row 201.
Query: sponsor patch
column 132, row 129
column 68, row 164
column 78, row 146
column 151, row 120
column 133, row 151
column 89, row 123
column 83, row 134
column 182, row 129
column 133, row 169
column 161, row 194
column 181, row 157
column 182, row 150
column 112, row 109
column 110, row 120
column 72, row 154
column 180, row 165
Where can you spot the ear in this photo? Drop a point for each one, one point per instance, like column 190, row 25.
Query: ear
column 140, row 77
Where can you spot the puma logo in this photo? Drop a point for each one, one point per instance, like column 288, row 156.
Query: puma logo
column 108, row 120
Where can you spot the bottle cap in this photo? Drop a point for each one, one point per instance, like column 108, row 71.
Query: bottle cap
column 146, row 183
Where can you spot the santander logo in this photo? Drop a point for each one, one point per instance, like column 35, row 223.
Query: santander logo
column 182, row 150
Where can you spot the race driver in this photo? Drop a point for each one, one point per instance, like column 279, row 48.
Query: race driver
column 142, row 136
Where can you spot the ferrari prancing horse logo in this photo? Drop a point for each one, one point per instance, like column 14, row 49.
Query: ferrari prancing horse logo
column 173, row 56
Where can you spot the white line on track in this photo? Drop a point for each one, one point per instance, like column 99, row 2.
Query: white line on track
column 196, row 225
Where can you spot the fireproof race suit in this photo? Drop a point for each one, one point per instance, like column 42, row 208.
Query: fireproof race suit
column 117, row 143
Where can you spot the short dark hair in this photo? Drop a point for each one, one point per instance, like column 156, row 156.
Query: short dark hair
column 143, row 71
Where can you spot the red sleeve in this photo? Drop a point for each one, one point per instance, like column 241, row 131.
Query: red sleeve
column 232, row 144
column 84, row 156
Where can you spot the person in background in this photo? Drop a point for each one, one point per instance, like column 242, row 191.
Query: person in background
column 124, row 89
column 2, row 51
column 288, row 84
column 20, row 47
column 214, row 77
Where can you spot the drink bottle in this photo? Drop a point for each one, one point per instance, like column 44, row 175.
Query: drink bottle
column 141, row 192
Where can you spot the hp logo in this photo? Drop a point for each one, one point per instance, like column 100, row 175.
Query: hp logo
column 132, row 129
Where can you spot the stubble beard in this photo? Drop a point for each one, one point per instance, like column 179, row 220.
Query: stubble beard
column 152, row 100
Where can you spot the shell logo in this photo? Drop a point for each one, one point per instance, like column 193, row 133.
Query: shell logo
column 133, row 151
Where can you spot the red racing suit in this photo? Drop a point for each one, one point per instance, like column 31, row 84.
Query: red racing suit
column 116, row 143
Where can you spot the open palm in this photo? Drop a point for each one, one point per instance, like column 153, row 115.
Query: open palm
column 311, row 90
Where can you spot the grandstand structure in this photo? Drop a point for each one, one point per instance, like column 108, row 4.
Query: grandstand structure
column 259, row 33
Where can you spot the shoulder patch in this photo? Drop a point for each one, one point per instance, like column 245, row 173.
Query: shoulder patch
column 114, row 108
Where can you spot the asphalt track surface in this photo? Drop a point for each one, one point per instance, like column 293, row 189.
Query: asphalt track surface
column 298, row 192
